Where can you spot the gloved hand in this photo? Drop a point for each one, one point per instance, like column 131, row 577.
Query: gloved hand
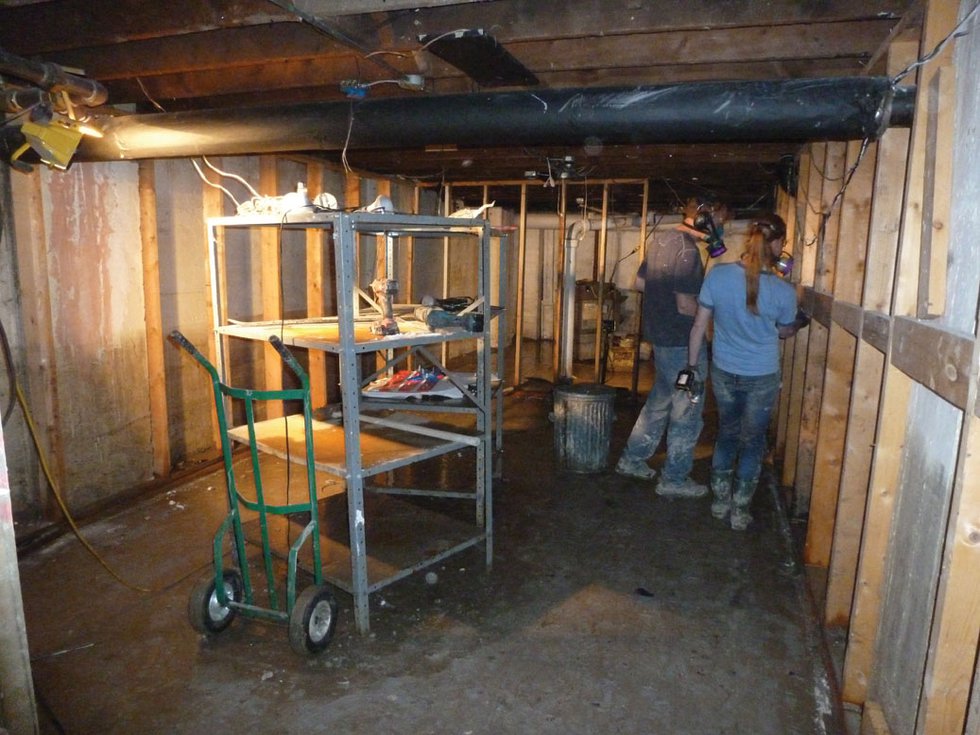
column 686, row 377
column 802, row 318
column 689, row 381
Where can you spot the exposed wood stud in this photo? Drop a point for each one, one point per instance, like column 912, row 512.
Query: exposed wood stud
column 156, row 372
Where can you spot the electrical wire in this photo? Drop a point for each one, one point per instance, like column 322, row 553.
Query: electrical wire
column 442, row 36
column 147, row 95
column 229, row 175
column 207, row 181
column 957, row 32
column 350, row 127
column 46, row 469
column 42, row 457
column 11, row 376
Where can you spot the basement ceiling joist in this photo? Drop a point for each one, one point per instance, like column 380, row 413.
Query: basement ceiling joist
column 191, row 56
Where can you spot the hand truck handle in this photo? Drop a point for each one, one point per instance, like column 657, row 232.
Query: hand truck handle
column 287, row 356
column 181, row 341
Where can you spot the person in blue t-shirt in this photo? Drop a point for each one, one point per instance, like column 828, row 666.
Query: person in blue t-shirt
column 752, row 308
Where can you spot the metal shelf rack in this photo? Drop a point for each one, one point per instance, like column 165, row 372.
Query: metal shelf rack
column 374, row 436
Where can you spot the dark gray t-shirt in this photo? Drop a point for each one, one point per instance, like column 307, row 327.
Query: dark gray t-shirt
column 672, row 266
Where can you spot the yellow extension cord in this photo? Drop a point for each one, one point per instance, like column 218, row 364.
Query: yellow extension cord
column 64, row 508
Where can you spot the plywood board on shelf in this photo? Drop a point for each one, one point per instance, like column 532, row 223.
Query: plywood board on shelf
column 381, row 448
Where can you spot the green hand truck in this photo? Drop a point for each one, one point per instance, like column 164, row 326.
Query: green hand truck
column 216, row 600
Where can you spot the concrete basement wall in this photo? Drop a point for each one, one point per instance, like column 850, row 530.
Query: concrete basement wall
column 72, row 293
column 80, row 274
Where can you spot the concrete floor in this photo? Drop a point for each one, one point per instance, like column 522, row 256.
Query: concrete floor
column 607, row 610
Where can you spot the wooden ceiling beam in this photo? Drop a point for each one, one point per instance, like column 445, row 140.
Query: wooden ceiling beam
column 523, row 20
column 69, row 24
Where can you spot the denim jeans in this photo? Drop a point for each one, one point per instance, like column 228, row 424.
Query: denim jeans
column 667, row 407
column 745, row 404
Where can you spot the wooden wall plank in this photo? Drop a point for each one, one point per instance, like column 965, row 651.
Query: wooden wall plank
column 786, row 208
column 829, row 450
column 849, row 317
column 824, row 276
column 153, row 318
column 937, row 192
column 940, row 360
column 855, row 227
column 804, row 252
column 315, row 246
column 212, row 203
column 882, row 495
column 271, row 293
column 853, row 494
column 876, row 330
column 873, row 722
column 886, row 207
column 956, row 630
column 35, row 284
column 821, row 308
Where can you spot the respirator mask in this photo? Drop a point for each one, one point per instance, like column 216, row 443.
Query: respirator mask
column 705, row 223
column 783, row 265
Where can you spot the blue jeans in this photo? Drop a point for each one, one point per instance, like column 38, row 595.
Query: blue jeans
column 745, row 404
column 667, row 407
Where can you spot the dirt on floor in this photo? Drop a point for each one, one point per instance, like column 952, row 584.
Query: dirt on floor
column 607, row 610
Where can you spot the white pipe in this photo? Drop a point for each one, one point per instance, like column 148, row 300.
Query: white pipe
column 575, row 233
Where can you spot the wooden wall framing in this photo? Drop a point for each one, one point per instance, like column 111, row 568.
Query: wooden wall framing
column 887, row 335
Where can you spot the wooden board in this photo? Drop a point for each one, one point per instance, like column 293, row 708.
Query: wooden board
column 939, row 359
column 382, row 448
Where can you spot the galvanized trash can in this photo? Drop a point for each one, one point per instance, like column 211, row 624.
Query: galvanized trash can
column 583, row 418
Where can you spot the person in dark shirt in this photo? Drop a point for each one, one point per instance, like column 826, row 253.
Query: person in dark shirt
column 670, row 278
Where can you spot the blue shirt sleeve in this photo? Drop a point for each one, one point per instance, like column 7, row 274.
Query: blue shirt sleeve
column 787, row 305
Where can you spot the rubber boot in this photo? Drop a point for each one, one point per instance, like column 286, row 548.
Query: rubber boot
column 741, row 500
column 721, row 488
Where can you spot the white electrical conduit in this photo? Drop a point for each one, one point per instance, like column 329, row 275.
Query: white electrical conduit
column 575, row 233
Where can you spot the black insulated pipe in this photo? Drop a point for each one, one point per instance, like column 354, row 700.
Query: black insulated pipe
column 848, row 108
column 53, row 78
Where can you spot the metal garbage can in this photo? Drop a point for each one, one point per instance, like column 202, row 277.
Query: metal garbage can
column 583, row 418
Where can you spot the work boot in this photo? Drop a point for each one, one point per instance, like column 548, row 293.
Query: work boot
column 686, row 488
column 721, row 487
column 741, row 500
column 635, row 468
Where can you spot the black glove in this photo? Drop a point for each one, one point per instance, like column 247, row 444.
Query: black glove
column 686, row 378
column 802, row 319
column 689, row 381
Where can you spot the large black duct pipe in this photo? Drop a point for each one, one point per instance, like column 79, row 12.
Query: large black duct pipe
column 786, row 110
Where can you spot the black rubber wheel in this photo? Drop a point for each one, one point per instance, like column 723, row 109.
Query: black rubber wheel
column 206, row 614
column 312, row 621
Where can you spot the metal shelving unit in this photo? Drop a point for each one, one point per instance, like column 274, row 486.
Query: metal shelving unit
column 375, row 436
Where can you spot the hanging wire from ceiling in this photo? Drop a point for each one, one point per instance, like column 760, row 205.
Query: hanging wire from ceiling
column 958, row 31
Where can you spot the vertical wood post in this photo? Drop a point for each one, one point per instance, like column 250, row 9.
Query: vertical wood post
column 35, row 294
column 521, row 258
column 271, row 285
column 156, row 371
column 315, row 245
column 18, row 710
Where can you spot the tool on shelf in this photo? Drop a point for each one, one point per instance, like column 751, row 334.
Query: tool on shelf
column 384, row 289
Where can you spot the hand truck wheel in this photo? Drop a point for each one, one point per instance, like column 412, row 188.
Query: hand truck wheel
column 205, row 611
column 312, row 621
